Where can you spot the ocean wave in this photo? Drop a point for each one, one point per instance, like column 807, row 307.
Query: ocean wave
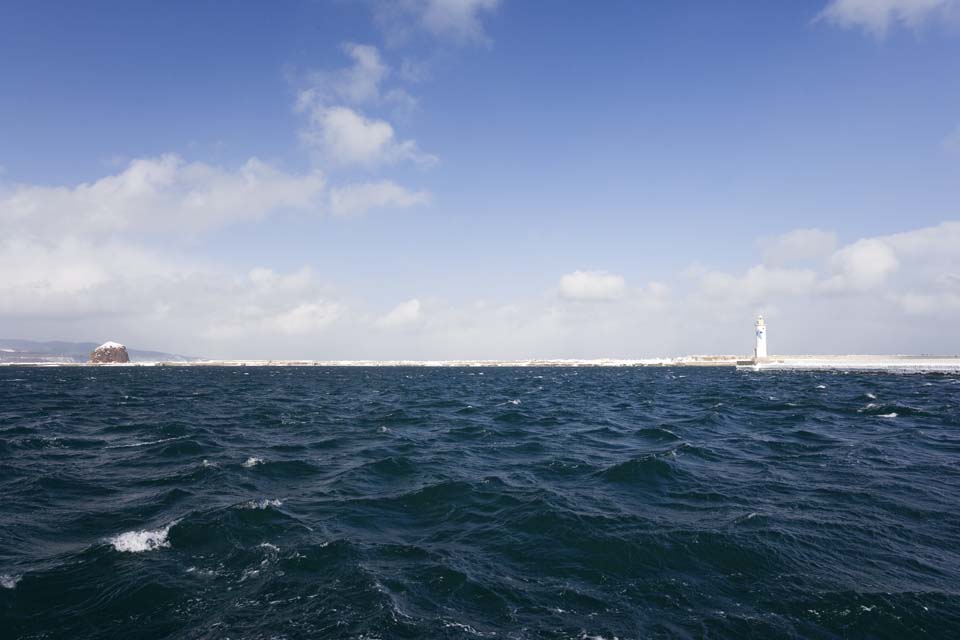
column 145, row 444
column 606, row 504
column 643, row 469
column 261, row 504
column 144, row 540
column 9, row 581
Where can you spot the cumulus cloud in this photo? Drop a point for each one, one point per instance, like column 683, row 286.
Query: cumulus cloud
column 72, row 277
column 862, row 266
column 354, row 199
column 361, row 82
column 452, row 20
column 305, row 318
column 265, row 279
column 798, row 246
column 592, row 285
column 159, row 194
column 878, row 16
column 929, row 243
column 897, row 292
column 404, row 314
column 338, row 132
column 756, row 284
column 356, row 84
column 345, row 137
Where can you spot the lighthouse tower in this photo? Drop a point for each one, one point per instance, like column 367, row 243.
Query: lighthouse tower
column 760, row 351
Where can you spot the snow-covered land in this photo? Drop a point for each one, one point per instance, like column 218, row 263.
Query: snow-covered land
column 902, row 363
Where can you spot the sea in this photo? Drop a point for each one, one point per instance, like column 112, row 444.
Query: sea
column 502, row 502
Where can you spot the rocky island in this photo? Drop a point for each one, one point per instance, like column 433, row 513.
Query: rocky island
column 109, row 352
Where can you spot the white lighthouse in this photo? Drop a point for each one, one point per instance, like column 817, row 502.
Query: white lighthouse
column 760, row 351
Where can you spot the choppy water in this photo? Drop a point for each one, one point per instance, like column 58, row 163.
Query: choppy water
column 470, row 503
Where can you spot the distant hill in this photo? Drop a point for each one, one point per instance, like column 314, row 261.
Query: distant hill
column 16, row 350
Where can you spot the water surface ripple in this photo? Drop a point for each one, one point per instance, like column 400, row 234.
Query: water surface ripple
column 481, row 502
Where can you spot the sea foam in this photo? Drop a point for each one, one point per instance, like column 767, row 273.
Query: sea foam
column 145, row 444
column 139, row 541
column 8, row 581
column 261, row 504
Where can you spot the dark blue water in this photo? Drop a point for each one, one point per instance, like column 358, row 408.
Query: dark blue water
column 477, row 503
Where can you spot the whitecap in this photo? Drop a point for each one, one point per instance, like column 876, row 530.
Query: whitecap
column 138, row 541
column 145, row 444
column 871, row 396
column 267, row 545
column 463, row 627
column 261, row 504
column 252, row 462
column 821, row 386
column 887, row 415
column 8, row 581
column 249, row 573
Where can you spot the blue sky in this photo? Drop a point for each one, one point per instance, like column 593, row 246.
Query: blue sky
column 481, row 178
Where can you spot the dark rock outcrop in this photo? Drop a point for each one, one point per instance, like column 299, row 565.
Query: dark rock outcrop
column 110, row 352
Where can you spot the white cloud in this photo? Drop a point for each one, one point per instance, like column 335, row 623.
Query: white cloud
column 357, row 198
column 861, row 266
column 878, row 16
column 265, row 279
column 305, row 318
column 800, row 245
column 592, row 285
column 356, row 84
column 928, row 303
column 455, row 18
column 898, row 292
column 361, row 82
column 758, row 283
column 404, row 314
column 452, row 20
column 941, row 241
column 345, row 137
column 70, row 277
column 403, row 105
column 159, row 194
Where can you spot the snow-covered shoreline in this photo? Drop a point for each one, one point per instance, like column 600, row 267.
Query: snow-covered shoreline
column 904, row 363
column 773, row 363
column 599, row 362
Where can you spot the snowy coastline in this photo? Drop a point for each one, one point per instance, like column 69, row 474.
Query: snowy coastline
column 773, row 363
